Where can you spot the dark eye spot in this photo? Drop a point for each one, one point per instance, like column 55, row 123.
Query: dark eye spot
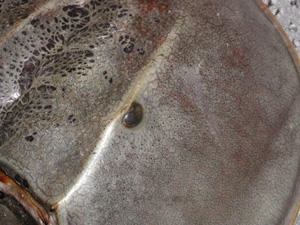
column 134, row 115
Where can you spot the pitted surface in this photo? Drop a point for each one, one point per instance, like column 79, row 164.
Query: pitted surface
column 69, row 68
column 204, row 153
column 219, row 138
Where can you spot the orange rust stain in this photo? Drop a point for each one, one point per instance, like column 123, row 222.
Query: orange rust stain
column 54, row 206
column 161, row 5
column 24, row 198
column 4, row 179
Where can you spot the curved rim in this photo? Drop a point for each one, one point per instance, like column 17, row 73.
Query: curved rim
column 37, row 211
column 296, row 58
column 282, row 32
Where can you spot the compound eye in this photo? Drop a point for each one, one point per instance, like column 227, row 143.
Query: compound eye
column 133, row 116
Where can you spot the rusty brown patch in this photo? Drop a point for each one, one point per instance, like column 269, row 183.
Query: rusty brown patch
column 237, row 58
column 54, row 206
column 160, row 5
column 25, row 199
column 3, row 178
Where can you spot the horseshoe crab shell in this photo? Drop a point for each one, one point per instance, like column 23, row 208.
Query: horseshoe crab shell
column 147, row 112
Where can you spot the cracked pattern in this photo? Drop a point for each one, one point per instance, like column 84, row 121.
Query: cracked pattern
column 287, row 13
column 219, row 138
column 204, row 152
column 67, row 66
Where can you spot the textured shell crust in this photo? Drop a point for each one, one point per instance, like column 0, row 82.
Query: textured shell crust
column 219, row 138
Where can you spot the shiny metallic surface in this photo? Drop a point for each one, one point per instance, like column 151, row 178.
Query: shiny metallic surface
column 219, row 87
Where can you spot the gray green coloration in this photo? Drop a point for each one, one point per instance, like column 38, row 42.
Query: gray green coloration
column 219, row 138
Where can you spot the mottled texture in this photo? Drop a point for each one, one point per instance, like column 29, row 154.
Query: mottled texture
column 73, row 66
column 219, row 139
column 287, row 13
